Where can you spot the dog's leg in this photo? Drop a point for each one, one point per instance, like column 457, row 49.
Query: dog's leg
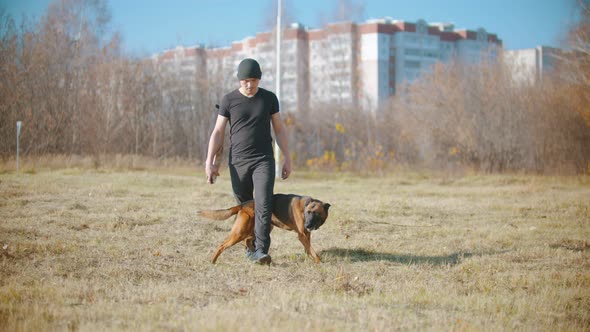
column 230, row 241
column 305, row 239
column 238, row 233
column 249, row 243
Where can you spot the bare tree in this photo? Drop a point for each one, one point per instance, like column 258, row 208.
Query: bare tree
column 343, row 11
column 473, row 116
column 575, row 65
column 9, row 82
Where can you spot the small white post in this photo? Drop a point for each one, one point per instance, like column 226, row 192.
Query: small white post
column 18, row 126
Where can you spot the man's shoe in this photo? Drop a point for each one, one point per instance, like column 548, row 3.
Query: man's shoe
column 249, row 253
column 258, row 257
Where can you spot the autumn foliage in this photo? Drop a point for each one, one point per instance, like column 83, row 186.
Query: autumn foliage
column 65, row 77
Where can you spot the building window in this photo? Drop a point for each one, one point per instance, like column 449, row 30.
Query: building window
column 412, row 51
column 430, row 54
column 410, row 39
column 412, row 64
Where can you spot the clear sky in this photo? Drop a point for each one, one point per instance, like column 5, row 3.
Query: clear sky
column 150, row 26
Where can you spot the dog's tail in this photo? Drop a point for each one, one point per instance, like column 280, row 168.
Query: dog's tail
column 220, row 214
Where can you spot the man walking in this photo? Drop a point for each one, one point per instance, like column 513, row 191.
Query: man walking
column 250, row 110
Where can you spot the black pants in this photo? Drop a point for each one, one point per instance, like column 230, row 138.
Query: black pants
column 255, row 179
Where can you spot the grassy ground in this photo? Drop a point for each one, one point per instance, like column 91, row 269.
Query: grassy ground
column 95, row 250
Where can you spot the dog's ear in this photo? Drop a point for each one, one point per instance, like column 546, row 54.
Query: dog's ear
column 326, row 207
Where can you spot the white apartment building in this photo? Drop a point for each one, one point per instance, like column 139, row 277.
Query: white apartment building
column 295, row 69
column 347, row 64
column 529, row 65
column 394, row 53
column 180, row 67
column 333, row 66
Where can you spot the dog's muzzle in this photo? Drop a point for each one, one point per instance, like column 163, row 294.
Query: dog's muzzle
column 312, row 222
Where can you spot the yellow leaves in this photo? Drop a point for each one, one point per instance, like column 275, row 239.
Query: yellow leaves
column 326, row 162
column 289, row 121
column 453, row 151
column 379, row 152
column 348, row 153
column 329, row 156
column 372, row 157
column 340, row 128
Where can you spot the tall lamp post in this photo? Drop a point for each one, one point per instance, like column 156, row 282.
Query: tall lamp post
column 278, row 84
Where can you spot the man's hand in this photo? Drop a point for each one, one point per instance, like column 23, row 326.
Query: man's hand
column 215, row 149
column 286, row 169
column 212, row 172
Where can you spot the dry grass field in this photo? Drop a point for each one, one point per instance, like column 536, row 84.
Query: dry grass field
column 85, row 249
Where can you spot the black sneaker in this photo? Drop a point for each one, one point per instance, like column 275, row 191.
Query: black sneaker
column 258, row 257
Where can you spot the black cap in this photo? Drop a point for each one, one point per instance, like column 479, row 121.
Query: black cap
column 249, row 68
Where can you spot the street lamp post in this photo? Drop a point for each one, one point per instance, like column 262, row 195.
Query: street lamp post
column 278, row 85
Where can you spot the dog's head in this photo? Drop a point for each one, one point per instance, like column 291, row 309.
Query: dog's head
column 315, row 213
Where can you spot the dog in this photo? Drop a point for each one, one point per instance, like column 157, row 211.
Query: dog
column 301, row 214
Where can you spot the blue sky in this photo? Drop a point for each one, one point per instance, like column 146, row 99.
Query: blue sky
column 150, row 26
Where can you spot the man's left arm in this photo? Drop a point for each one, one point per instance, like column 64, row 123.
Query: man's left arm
column 283, row 141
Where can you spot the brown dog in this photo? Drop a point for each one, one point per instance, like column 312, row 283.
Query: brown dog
column 290, row 212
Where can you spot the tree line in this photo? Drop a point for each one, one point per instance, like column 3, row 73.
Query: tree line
column 66, row 78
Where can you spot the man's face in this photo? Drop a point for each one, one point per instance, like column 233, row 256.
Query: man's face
column 250, row 85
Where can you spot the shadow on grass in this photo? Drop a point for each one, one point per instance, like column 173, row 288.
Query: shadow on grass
column 362, row 255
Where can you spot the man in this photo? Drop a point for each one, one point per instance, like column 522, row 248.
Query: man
column 250, row 110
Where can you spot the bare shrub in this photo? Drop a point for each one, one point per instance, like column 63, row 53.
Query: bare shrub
column 478, row 117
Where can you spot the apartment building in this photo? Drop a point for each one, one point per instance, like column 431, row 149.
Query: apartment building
column 179, row 68
column 359, row 65
column 333, row 77
column 394, row 53
column 529, row 65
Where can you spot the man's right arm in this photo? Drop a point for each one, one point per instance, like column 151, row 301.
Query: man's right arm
column 215, row 148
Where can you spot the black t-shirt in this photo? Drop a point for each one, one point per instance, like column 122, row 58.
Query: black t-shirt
column 249, row 122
